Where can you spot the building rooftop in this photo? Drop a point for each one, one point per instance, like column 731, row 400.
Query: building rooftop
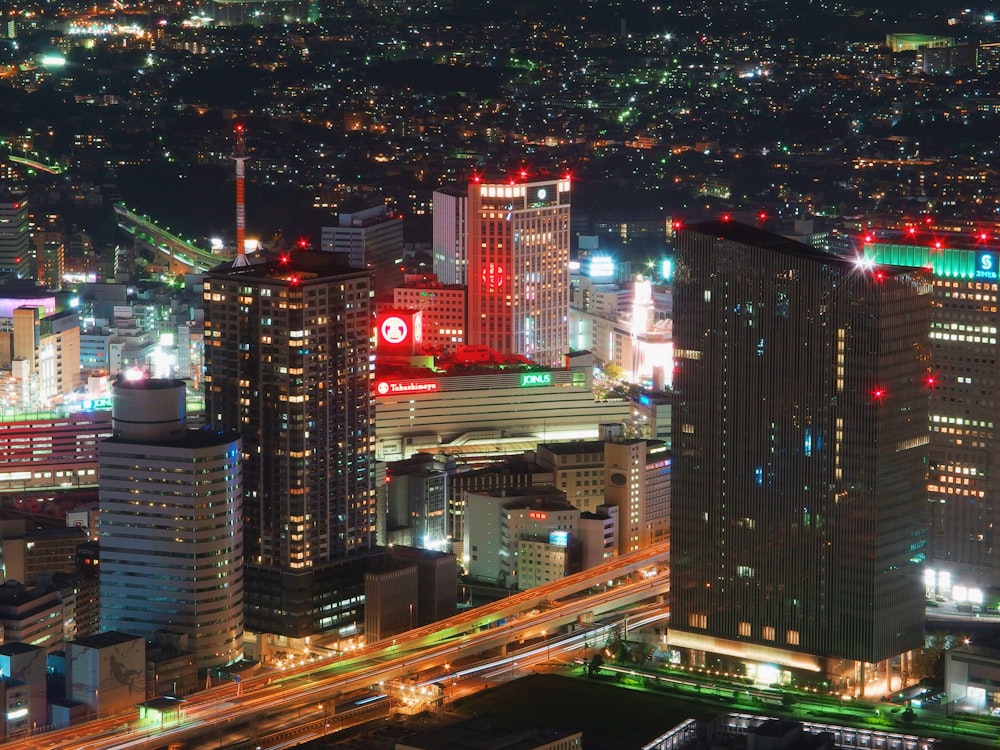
column 574, row 446
column 487, row 734
column 105, row 640
column 16, row 647
column 299, row 265
column 193, row 439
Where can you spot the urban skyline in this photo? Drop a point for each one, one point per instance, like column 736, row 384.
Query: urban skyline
column 532, row 288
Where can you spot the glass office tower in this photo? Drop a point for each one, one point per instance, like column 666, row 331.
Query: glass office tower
column 800, row 430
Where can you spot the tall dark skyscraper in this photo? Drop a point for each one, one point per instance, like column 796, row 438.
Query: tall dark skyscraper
column 288, row 366
column 800, row 431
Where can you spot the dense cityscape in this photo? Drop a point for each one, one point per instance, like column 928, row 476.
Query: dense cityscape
column 364, row 359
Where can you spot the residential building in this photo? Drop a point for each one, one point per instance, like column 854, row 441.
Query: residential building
column 288, row 366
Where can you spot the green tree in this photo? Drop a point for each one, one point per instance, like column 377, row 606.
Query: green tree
column 595, row 664
column 613, row 371
column 928, row 662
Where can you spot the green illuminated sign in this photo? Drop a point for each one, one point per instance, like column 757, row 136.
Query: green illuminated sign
column 536, row 378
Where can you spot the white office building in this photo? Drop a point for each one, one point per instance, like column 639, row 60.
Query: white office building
column 170, row 527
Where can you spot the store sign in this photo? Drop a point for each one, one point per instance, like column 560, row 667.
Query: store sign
column 96, row 404
column 394, row 330
column 986, row 266
column 536, row 378
column 391, row 388
column 559, row 538
column 493, row 276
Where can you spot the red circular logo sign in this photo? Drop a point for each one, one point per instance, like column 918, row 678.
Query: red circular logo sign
column 382, row 388
column 394, row 330
column 493, row 276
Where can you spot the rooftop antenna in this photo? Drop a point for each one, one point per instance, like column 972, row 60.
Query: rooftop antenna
column 240, row 157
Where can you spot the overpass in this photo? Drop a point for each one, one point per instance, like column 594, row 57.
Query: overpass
column 181, row 255
column 36, row 164
column 531, row 614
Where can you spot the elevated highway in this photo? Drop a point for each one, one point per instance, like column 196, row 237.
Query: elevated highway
column 181, row 255
column 527, row 615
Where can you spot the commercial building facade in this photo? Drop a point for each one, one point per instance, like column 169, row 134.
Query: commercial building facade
column 797, row 523
column 171, row 525
column 964, row 410
column 498, row 410
column 518, row 267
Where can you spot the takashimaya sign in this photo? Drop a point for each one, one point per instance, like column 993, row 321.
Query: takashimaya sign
column 389, row 388
column 536, row 378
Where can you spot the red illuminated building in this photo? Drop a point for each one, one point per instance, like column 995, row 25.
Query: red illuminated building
column 518, row 266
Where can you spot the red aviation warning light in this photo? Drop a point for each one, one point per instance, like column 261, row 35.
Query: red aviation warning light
column 524, row 174
column 983, row 236
column 937, row 244
column 931, row 381
column 762, row 216
column 726, row 217
column 911, row 230
column 678, row 224
column 878, row 393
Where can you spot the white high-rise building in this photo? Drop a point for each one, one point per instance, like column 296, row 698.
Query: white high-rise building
column 15, row 239
column 518, row 267
column 449, row 234
column 372, row 239
column 171, row 528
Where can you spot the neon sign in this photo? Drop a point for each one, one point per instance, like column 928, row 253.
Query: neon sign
column 390, row 388
column 394, row 330
column 536, row 378
column 493, row 276
column 986, row 266
column 97, row 404
column 538, row 515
